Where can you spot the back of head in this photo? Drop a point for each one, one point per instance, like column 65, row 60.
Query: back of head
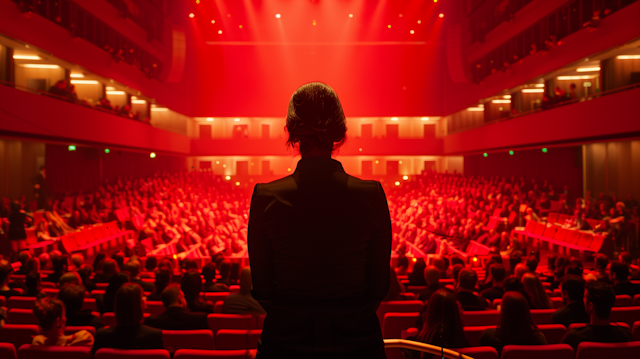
column 520, row 270
column 245, row 279
column 438, row 262
column 209, row 272
column 532, row 263
column 115, row 283
column 109, row 266
column 128, row 305
column 443, row 312
column 45, row 262
column 533, row 286
column 467, row 279
column 315, row 118
column 59, row 264
column 455, row 272
column 551, row 261
column 573, row 285
column 514, row 258
column 234, row 273
column 188, row 264
column 225, row 269
column 151, row 264
column 118, row 258
column 515, row 325
column 24, row 256
column 513, row 284
column 133, row 268
column 70, row 278
column 602, row 297
column 602, row 261
column 163, row 278
column 191, row 284
column 432, row 275
column 625, row 257
column 619, row 271
column 457, row 260
column 77, row 260
column 100, row 257
column 170, row 295
column 72, row 296
column 573, row 270
column 48, row 311
column 498, row 272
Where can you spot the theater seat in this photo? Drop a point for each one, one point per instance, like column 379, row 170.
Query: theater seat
column 214, row 297
column 473, row 333
column 479, row 352
column 416, row 289
column 29, row 351
column 229, row 321
column 236, row 339
column 635, row 332
column 557, row 302
column 188, row 339
column 90, row 304
column 398, row 306
column 155, row 307
column 217, row 308
column 21, row 316
column 553, row 332
column 481, row 317
column 628, row 315
column 392, row 326
column 552, row 351
column 71, row 330
column 573, row 326
column 542, row 316
column 18, row 334
column 21, row 303
column 623, row 301
column 108, row 353
column 7, row 350
column 3, row 301
column 590, row 350
column 206, row 354
column 636, row 300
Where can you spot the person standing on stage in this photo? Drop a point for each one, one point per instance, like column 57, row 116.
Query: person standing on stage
column 319, row 244
column 41, row 188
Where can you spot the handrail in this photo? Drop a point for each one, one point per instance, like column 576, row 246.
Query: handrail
column 423, row 347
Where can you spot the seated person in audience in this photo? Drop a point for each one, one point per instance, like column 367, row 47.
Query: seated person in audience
column 488, row 280
column 33, row 280
column 599, row 301
column 45, row 261
column 520, row 270
column 515, row 325
column 70, row 278
column 5, row 271
column 176, row 315
column 498, row 275
column 163, row 278
column 403, row 265
column 109, row 269
column 106, row 302
column 455, row 273
column 634, row 270
column 441, row 325
column 77, row 260
column 432, row 275
column 133, row 267
column 602, row 261
column 129, row 333
column 150, row 264
column 119, row 259
column 467, row 280
column 514, row 259
column 242, row 302
column 191, row 285
column 72, row 295
column 209, row 274
column 417, row 277
column 533, row 286
column 23, row 257
column 620, row 279
column 51, row 316
column 532, row 263
column 59, row 268
column 85, row 272
column 572, row 288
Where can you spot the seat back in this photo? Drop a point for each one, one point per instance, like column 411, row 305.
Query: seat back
column 22, row 316
column 531, row 226
column 585, row 240
column 29, row 351
column 539, row 229
column 72, row 330
column 573, row 326
column 482, row 317
column 473, row 334
column 635, row 332
column 90, row 304
column 553, row 332
column 215, row 297
column 416, row 289
column 207, row 354
column 392, row 326
column 479, row 352
column 21, row 302
column 229, row 321
column 398, row 306
column 217, row 308
column 591, row 350
column 155, row 307
column 550, row 232
column 550, row 351
column 561, row 234
column 188, row 339
column 236, row 339
column 557, row 302
column 628, row 315
column 636, row 300
column 18, row 334
column 542, row 316
column 108, row 353
column 572, row 237
column 109, row 319
column 7, row 351
column 552, row 217
column 623, row 301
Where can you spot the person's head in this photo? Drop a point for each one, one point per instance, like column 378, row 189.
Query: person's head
column 533, row 286
column 129, row 305
column 191, row 285
column 515, row 324
column 532, row 263
column 5, row 270
column 119, row 259
column 455, row 272
column 72, row 296
column 403, row 261
column 117, row 281
column 438, row 262
column 133, row 267
column 601, row 262
column 619, row 272
column 443, row 312
column 599, row 300
column 245, row 280
column 520, row 270
column 209, row 272
column 77, row 260
column 432, row 275
column 572, row 288
column 70, row 278
column 172, row 296
column 467, row 280
column 50, row 313
column 498, row 273
column 16, row 207
column 551, row 260
column 225, row 269
column 98, row 261
column 315, row 119
column 573, row 269
column 188, row 264
column 163, row 278
column 457, row 260
column 45, row 262
column 151, row 264
column 60, row 264
column 109, row 266
column 625, row 257
column 514, row 259
column 24, row 256
column 32, row 265
column 513, row 284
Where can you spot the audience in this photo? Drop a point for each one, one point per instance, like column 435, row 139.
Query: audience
column 163, row 278
column 498, row 275
column 5, row 271
column 209, row 274
column 572, row 288
column 109, row 269
column 533, row 286
column 176, row 315
column 51, row 316
column 467, row 280
column 129, row 333
column 417, row 276
column 106, row 302
column 242, row 302
column 72, row 295
column 133, row 268
column 599, row 301
column 59, row 268
column 620, row 279
column 432, row 276
column 191, row 286
column 515, row 325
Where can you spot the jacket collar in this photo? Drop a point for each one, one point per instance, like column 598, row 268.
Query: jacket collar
column 318, row 164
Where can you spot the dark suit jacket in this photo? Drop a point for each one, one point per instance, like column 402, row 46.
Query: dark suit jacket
column 428, row 291
column 178, row 318
column 628, row 288
column 470, row 301
column 492, row 293
column 319, row 247
column 146, row 286
column 138, row 337
column 571, row 313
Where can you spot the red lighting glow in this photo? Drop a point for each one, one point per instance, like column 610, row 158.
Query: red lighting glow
column 475, row 259
column 278, row 16
column 415, row 260
column 441, row 15
column 192, row 15
column 412, row 32
column 219, row 32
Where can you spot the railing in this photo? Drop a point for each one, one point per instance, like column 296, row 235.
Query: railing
column 540, row 109
column 422, row 347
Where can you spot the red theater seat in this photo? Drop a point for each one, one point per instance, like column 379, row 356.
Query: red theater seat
column 542, row 316
column 108, row 353
column 628, row 315
column 206, row 354
column 573, row 326
column 482, row 317
column 28, row 351
column 590, row 350
column 552, row 351
column 214, row 297
column 553, row 332
column 21, row 316
column 21, row 302
column 18, row 334
column 398, row 306
column 479, row 352
column 7, row 351
column 3, row 301
column 636, row 300
column 416, row 289
column 229, row 321
column 473, row 334
column 623, row 301
column 155, row 308
column 90, row 304
column 71, row 330
column 188, row 339
column 392, row 327
column 635, row 332
column 234, row 339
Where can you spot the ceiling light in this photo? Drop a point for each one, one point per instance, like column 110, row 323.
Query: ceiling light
column 159, row 109
column 237, row 120
column 110, row 88
column 441, row 15
column 219, row 32
column 278, row 16
column 138, row 102
column 397, row 183
column 152, row 155
column 40, row 66
column 506, row 96
column 394, row 119
column 84, row 82
column 388, row 26
column 475, row 109
column 501, row 101
column 588, row 69
column 76, row 76
column 539, row 85
column 192, row 15
column 209, row 119
column 116, row 93
column 425, row 118
column 628, row 57
column 532, row 90
column 585, row 77
column 412, row 32
column 26, row 57
column 350, row 15
column 213, row 21
column 419, row 22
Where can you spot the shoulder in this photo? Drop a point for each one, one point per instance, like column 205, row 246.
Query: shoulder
column 38, row 340
column 147, row 330
column 539, row 337
column 81, row 338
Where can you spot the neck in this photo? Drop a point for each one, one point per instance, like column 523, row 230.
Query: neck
column 314, row 152
column 595, row 320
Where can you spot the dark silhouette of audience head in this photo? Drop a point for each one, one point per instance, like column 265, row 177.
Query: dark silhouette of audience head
column 533, row 286
column 443, row 324
column 209, row 272
column 602, row 261
column 315, row 119
column 467, row 280
column 70, row 278
column 172, row 296
column 151, row 264
column 191, row 286
column 129, row 305
column 599, row 300
column 50, row 313
column 498, row 273
column 98, row 260
column 619, row 272
column 163, row 278
column 110, row 267
column 515, row 324
column 72, row 296
column 119, row 258
column 572, row 288
column 117, row 281
column 532, row 263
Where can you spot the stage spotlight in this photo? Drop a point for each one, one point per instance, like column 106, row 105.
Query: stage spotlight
column 399, row 162
column 278, row 16
column 106, row 150
column 419, row 22
column 237, row 183
column 441, row 15
column 219, row 32
column 412, row 32
column 360, row 149
column 544, row 150
column 192, row 15
column 72, row 148
column 510, row 153
column 485, row 154
column 350, row 15
column 227, row 178
column 213, row 21
column 197, row 1
column 388, row 26
column 152, row 155
column 397, row 183
column 405, row 177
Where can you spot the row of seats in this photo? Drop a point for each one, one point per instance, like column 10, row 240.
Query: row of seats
column 586, row 350
column 98, row 238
